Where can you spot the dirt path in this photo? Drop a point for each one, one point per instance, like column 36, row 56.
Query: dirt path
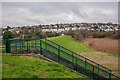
column 110, row 62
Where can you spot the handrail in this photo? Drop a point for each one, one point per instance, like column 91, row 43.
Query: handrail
column 79, row 55
column 75, row 55
column 84, row 58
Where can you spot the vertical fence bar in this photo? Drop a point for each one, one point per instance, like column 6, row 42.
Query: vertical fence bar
column 85, row 63
column 76, row 64
column 27, row 46
column 98, row 68
column 20, row 44
column 32, row 46
column 110, row 75
column 45, row 44
column 23, row 45
column 35, row 43
column 72, row 57
column 8, row 48
column 40, row 47
column 15, row 45
column 58, row 53
column 93, row 71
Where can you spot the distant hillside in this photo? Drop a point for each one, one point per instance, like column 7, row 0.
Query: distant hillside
column 70, row 43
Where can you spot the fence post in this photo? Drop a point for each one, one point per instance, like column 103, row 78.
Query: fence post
column 35, row 43
column 85, row 62
column 98, row 68
column 59, row 53
column 72, row 57
column 45, row 44
column 8, row 48
column 110, row 75
column 27, row 46
column 76, row 64
column 93, row 71
column 40, row 47
column 15, row 45
column 22, row 45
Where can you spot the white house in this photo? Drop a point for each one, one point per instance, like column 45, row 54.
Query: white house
column 67, row 28
column 74, row 28
column 60, row 30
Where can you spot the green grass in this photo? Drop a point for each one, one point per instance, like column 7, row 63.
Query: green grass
column 110, row 54
column 67, row 42
column 26, row 67
column 75, row 46
column 71, row 44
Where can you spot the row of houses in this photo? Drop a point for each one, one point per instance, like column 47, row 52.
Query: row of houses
column 64, row 27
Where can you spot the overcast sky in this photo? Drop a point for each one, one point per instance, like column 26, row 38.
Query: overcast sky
column 34, row 13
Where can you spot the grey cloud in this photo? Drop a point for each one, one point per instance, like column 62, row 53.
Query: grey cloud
column 30, row 13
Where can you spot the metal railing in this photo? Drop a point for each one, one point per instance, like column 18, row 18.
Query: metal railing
column 60, row 55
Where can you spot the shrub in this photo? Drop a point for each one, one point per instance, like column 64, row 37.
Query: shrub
column 8, row 35
column 80, row 35
column 99, row 34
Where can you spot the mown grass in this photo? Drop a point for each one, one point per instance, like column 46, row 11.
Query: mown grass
column 71, row 44
column 29, row 67
column 75, row 46
column 110, row 54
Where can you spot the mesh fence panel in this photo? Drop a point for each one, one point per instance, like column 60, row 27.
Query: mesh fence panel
column 59, row 54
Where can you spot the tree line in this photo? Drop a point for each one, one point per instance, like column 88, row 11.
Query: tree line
column 9, row 35
column 80, row 35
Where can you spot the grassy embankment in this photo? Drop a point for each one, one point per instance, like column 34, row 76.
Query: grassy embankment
column 34, row 67
column 106, row 59
column 80, row 48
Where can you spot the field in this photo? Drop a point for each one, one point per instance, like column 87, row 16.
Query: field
column 106, row 59
column 103, row 44
column 27, row 66
column 71, row 44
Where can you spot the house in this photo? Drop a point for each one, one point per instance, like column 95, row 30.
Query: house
column 60, row 30
column 67, row 28
column 74, row 28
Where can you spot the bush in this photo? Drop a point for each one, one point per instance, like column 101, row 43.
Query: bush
column 99, row 34
column 8, row 35
column 80, row 35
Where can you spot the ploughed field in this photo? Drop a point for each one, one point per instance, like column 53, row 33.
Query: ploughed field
column 103, row 44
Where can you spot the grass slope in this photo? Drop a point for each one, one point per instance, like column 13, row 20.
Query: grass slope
column 71, row 44
column 106, row 59
column 31, row 67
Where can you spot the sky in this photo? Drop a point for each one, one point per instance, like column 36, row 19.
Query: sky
column 34, row 13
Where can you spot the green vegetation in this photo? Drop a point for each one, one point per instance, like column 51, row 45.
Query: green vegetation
column 109, row 54
column 71, row 44
column 75, row 46
column 65, row 41
column 32, row 67
column 8, row 35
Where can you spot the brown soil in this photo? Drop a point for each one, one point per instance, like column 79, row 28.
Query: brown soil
column 103, row 44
